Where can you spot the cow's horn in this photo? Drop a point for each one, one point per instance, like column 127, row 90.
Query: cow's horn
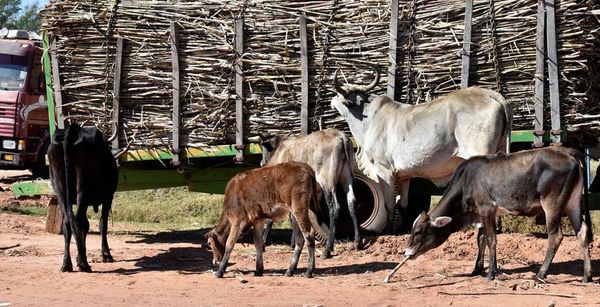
column 374, row 82
column 338, row 88
column 113, row 136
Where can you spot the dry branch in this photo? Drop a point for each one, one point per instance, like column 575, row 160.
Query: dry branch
column 350, row 35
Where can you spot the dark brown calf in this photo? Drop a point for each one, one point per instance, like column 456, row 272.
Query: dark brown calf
column 526, row 183
column 268, row 192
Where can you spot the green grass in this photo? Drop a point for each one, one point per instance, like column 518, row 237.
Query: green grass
column 170, row 208
column 36, row 210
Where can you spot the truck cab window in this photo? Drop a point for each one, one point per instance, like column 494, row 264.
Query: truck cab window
column 13, row 72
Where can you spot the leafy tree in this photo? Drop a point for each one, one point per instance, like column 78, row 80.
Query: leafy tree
column 29, row 19
column 8, row 10
column 12, row 16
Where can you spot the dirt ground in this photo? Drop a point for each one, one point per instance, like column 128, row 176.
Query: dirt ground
column 174, row 268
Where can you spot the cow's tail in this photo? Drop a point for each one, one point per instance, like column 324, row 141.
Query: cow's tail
column 504, row 144
column 350, row 156
column 71, row 135
column 586, row 201
column 315, row 213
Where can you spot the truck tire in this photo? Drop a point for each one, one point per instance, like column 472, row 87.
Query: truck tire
column 372, row 214
column 39, row 168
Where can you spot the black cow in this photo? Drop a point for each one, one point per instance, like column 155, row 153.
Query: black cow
column 526, row 183
column 82, row 171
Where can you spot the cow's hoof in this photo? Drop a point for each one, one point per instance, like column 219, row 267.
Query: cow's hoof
column 288, row 273
column 67, row 268
column 218, row 274
column 308, row 275
column 477, row 272
column 84, row 268
column 586, row 279
column 107, row 259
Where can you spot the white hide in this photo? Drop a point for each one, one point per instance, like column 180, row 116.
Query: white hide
column 429, row 140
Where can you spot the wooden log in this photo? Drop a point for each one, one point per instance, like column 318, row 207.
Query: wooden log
column 539, row 76
column 53, row 217
column 393, row 51
column 58, row 104
column 117, row 93
column 553, row 73
column 239, row 91
column 176, row 93
column 304, row 76
column 466, row 54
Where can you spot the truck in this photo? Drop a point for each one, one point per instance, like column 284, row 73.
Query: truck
column 186, row 89
column 24, row 134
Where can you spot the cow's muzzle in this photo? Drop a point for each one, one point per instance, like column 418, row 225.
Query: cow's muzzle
column 409, row 252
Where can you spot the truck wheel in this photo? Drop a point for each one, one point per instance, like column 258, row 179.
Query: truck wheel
column 371, row 214
column 39, row 168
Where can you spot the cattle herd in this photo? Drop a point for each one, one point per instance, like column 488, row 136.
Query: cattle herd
column 461, row 140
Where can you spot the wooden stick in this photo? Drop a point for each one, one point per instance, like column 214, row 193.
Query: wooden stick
column 510, row 293
column 387, row 278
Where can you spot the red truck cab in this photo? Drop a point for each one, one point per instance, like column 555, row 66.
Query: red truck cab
column 24, row 135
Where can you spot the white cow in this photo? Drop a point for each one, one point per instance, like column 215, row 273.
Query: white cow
column 399, row 141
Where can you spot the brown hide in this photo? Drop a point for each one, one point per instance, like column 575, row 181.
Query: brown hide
column 268, row 192
column 329, row 152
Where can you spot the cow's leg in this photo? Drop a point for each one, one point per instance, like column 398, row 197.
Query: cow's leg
column 310, row 245
column 401, row 206
column 334, row 211
column 106, row 256
column 268, row 226
column 259, row 245
column 299, row 244
column 83, row 227
column 304, row 234
column 489, row 221
column 346, row 182
column 554, row 237
column 481, row 243
column 67, row 265
column 580, row 227
column 234, row 233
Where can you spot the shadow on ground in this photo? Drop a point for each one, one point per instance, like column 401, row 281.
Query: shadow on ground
column 192, row 260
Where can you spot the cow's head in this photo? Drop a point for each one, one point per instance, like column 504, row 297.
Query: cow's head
column 269, row 145
column 427, row 234
column 216, row 243
column 351, row 96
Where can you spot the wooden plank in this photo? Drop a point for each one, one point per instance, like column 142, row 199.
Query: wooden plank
column 239, row 90
column 60, row 118
column 304, row 75
column 553, row 72
column 53, row 217
column 393, row 51
column 466, row 56
column 176, row 93
column 539, row 76
column 117, row 92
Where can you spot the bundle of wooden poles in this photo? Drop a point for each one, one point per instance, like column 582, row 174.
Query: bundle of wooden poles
column 352, row 36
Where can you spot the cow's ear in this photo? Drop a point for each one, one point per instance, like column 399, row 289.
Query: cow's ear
column 441, row 221
column 267, row 145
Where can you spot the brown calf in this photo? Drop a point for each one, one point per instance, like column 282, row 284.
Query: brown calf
column 268, row 192
column 329, row 152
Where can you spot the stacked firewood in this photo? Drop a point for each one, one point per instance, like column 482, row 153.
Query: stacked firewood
column 352, row 36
